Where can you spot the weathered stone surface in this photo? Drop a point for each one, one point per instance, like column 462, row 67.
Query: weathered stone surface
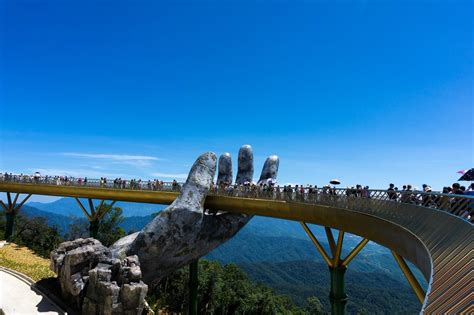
column 184, row 232
column 115, row 289
column 101, row 282
column 245, row 166
column 132, row 296
column 270, row 169
column 130, row 270
column 224, row 173
column 71, row 261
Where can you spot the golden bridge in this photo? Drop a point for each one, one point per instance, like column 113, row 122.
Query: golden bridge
column 435, row 233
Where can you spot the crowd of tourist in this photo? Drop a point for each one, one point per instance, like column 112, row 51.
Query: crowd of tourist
column 408, row 193
column 118, row 183
column 269, row 189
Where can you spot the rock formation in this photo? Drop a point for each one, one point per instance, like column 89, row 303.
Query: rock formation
column 93, row 281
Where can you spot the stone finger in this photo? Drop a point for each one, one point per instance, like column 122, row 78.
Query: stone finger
column 270, row 169
column 197, row 185
column 245, row 165
column 224, row 174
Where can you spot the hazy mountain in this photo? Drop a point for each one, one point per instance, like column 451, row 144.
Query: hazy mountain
column 69, row 206
column 60, row 221
column 262, row 239
column 63, row 222
column 135, row 223
column 373, row 290
column 280, row 254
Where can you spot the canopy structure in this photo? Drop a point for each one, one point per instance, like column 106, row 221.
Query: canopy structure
column 467, row 176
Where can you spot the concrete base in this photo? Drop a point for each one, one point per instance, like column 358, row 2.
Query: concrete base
column 18, row 297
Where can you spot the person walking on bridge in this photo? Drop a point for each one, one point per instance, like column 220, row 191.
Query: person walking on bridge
column 392, row 195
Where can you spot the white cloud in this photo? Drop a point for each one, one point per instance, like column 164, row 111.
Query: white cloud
column 134, row 160
column 167, row 175
column 114, row 157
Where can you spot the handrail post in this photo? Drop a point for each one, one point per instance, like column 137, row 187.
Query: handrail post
column 193, row 287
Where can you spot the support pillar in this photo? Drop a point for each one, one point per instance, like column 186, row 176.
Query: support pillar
column 96, row 214
column 9, row 225
column 11, row 210
column 338, row 296
column 337, row 266
column 415, row 285
column 94, row 229
column 193, row 287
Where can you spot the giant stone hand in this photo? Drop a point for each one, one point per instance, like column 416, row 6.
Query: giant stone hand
column 184, row 231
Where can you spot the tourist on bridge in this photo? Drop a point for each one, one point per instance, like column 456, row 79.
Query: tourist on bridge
column 427, row 199
column 392, row 195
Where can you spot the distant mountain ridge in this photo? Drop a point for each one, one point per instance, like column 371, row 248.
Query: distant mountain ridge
column 373, row 290
column 60, row 221
column 69, row 206
column 280, row 254
column 261, row 240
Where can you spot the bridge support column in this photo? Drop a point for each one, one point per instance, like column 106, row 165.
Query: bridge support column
column 11, row 210
column 96, row 214
column 337, row 266
column 338, row 296
column 94, row 229
column 193, row 287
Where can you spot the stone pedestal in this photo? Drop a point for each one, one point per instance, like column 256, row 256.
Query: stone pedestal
column 95, row 282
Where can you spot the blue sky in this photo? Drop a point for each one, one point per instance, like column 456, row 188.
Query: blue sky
column 369, row 92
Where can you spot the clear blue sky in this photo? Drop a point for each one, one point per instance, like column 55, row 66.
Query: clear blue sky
column 369, row 92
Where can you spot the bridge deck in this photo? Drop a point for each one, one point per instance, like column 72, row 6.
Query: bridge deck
column 439, row 243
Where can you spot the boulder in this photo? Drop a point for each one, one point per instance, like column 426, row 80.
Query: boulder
column 95, row 282
column 71, row 261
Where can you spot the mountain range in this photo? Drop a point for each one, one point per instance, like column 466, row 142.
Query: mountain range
column 279, row 253
column 69, row 207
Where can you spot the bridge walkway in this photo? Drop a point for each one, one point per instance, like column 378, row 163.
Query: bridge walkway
column 439, row 241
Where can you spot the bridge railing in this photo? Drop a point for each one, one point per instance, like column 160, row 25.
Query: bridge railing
column 352, row 198
column 459, row 205
column 92, row 182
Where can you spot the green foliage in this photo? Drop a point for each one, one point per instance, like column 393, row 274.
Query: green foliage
column 109, row 229
column 78, row 228
column 314, row 306
column 289, row 265
column 33, row 233
column 228, row 290
column 369, row 292
column 222, row 290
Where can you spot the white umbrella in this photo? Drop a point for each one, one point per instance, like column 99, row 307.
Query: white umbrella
column 271, row 181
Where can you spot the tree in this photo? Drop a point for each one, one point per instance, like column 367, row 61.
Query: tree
column 222, row 290
column 36, row 234
column 108, row 229
column 315, row 306
column 79, row 228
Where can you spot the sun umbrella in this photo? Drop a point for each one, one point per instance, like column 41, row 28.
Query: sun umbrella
column 271, row 181
column 468, row 175
column 334, row 182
